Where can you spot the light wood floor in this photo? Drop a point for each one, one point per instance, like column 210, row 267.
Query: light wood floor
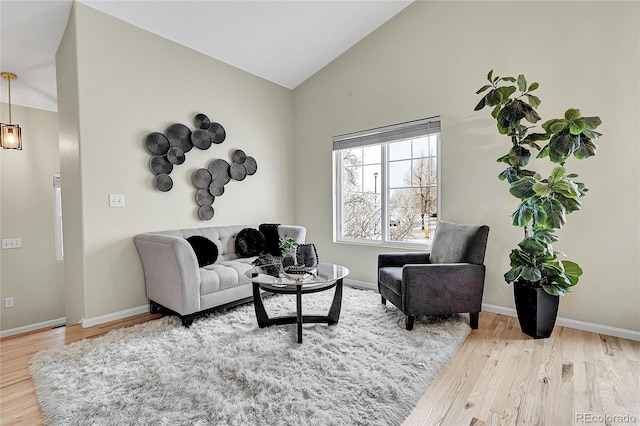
column 498, row 377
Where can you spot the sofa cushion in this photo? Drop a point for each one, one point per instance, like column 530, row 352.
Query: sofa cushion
column 391, row 277
column 249, row 242
column 224, row 275
column 206, row 251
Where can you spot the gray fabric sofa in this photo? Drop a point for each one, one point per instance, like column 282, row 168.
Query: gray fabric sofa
column 175, row 282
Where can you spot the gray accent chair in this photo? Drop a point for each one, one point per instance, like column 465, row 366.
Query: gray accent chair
column 448, row 280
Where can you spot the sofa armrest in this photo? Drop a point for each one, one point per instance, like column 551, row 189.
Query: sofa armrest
column 442, row 288
column 171, row 271
column 401, row 259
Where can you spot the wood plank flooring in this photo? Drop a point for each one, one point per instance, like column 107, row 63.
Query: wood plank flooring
column 501, row 377
column 498, row 377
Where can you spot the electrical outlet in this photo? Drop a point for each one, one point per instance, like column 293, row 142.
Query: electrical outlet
column 8, row 302
column 116, row 200
column 11, row 243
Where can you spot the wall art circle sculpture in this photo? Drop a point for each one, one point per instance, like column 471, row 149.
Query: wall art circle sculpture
column 251, row 165
column 201, row 139
column 217, row 132
column 179, row 136
column 163, row 182
column 239, row 156
column 205, row 212
column 216, row 188
column 169, row 148
column 156, row 143
column 160, row 164
column 201, row 121
column 204, row 197
column 175, row 155
column 238, row 171
column 219, row 170
column 201, row 178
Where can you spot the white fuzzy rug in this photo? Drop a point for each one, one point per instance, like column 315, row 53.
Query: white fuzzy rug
column 224, row 370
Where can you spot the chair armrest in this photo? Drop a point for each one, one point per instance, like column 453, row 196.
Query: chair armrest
column 401, row 259
column 298, row 233
column 442, row 288
column 171, row 271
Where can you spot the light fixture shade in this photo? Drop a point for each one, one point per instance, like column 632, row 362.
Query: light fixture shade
column 11, row 136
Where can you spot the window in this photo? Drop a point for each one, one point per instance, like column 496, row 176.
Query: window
column 57, row 216
column 387, row 184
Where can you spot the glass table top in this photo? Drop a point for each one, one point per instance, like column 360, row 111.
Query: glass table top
column 274, row 275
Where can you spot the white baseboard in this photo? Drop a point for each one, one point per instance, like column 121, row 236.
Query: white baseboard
column 360, row 284
column 58, row 322
column 90, row 322
column 570, row 323
column 564, row 322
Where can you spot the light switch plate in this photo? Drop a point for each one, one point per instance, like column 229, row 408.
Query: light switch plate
column 116, row 200
column 11, row 243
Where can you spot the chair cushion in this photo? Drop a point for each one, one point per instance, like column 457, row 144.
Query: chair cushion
column 456, row 243
column 391, row 277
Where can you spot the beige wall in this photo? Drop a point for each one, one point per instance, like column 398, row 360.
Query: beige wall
column 30, row 274
column 130, row 83
column 429, row 60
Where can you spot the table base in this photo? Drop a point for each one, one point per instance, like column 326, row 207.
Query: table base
column 331, row 318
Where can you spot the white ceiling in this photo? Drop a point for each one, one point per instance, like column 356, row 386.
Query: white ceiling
column 282, row 41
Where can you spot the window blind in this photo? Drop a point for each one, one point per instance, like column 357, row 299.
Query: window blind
column 408, row 130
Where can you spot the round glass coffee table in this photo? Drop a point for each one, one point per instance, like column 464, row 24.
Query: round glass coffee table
column 271, row 278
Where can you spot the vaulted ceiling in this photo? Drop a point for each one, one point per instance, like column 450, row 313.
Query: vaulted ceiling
column 282, row 41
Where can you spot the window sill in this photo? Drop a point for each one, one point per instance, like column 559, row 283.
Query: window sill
column 386, row 244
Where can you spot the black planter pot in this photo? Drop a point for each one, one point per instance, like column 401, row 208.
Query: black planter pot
column 537, row 309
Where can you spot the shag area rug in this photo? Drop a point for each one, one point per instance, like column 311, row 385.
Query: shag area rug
column 224, row 370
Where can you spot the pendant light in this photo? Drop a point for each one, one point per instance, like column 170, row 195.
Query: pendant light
column 11, row 135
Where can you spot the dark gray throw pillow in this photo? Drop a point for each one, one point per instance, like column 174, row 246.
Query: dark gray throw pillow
column 205, row 249
column 249, row 242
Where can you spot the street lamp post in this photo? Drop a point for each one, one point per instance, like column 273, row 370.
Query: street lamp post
column 375, row 182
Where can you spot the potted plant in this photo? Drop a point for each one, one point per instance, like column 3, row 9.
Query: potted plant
column 538, row 274
column 288, row 247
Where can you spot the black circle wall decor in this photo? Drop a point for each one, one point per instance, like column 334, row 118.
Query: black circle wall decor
column 201, row 178
column 219, row 170
column 201, row 121
column 238, row 171
column 170, row 148
column 210, row 182
column 205, row 212
column 239, row 156
column 201, row 139
column 156, row 143
column 217, row 132
column 160, row 164
column 163, row 182
column 179, row 136
column 204, row 197
column 251, row 165
column 175, row 155
column 216, row 188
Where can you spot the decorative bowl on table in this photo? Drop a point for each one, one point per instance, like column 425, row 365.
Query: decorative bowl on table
column 297, row 272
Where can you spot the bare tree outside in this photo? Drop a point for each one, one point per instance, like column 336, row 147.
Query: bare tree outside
column 361, row 211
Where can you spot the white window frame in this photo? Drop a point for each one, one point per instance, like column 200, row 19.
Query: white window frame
column 382, row 136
